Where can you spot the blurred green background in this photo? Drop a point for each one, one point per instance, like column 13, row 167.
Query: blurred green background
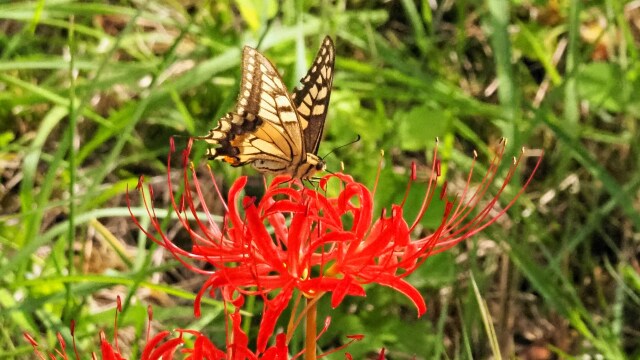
column 90, row 93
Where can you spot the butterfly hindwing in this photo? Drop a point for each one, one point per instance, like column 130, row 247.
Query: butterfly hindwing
column 312, row 97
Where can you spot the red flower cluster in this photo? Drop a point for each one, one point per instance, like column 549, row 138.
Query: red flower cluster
column 304, row 241
column 163, row 346
column 310, row 240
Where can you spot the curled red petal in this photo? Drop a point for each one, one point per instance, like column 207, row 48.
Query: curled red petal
column 346, row 286
column 273, row 309
column 151, row 344
column 408, row 290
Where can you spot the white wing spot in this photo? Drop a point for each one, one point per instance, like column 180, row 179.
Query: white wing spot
column 282, row 101
column 279, row 83
column 288, row 116
column 318, row 110
column 322, row 93
column 268, row 116
column 304, row 109
column 267, row 80
column 266, row 106
column 307, row 99
column 269, row 100
column 218, row 135
column 237, row 119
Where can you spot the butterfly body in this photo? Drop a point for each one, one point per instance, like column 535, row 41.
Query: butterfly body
column 275, row 132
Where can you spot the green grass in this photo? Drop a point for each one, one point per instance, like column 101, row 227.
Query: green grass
column 91, row 92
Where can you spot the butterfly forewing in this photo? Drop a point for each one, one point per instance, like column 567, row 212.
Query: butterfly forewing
column 264, row 124
column 264, row 95
column 312, row 97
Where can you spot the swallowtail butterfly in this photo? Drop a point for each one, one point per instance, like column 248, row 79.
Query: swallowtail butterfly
column 274, row 131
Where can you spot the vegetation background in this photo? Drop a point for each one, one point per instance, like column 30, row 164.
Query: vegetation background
column 90, row 93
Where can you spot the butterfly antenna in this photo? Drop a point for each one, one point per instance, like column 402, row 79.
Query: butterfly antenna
column 266, row 30
column 341, row 146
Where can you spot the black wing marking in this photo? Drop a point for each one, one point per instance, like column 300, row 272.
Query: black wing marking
column 312, row 97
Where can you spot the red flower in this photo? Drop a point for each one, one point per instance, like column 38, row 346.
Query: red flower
column 319, row 243
column 163, row 346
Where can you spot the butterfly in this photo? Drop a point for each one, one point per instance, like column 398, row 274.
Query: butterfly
column 275, row 132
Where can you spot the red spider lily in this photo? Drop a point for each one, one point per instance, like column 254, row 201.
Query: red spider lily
column 160, row 347
column 311, row 249
column 165, row 347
